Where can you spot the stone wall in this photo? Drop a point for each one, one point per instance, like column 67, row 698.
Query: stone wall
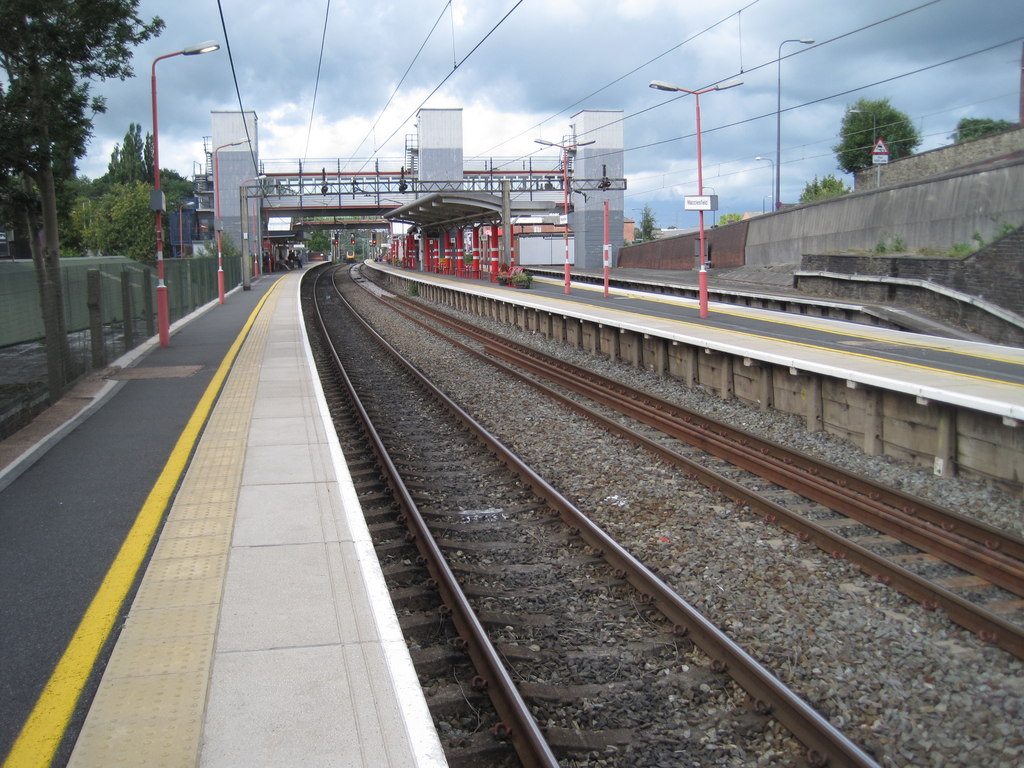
column 994, row 274
column 942, row 160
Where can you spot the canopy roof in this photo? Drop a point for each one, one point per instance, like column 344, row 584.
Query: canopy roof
column 440, row 210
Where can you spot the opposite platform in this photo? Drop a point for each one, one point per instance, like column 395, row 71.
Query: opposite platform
column 262, row 633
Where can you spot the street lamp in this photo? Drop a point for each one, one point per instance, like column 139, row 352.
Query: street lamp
column 218, row 224
column 157, row 200
column 768, row 159
column 181, row 231
column 778, row 119
column 702, row 277
column 566, row 148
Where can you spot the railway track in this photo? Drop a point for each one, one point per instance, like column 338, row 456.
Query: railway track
column 944, row 560
column 585, row 656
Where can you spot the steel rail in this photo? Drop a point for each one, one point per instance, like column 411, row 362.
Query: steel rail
column 995, row 566
column 517, row 723
column 826, row 744
column 988, row 626
column 968, row 544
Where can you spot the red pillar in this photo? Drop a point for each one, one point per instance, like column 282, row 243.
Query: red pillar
column 460, row 250
column 476, row 253
column 446, row 262
column 494, row 253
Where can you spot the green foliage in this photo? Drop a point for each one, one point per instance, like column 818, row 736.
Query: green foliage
column 129, row 162
column 729, row 218
column 228, row 247
column 319, row 241
column 647, row 223
column 413, row 290
column 976, row 127
column 961, row 249
column 866, row 122
column 119, row 223
column 894, row 244
column 823, row 189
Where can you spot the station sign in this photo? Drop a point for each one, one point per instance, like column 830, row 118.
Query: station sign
column 700, row 203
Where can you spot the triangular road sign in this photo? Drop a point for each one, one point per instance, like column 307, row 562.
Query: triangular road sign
column 880, row 148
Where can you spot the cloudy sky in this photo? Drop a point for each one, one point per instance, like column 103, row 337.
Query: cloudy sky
column 520, row 69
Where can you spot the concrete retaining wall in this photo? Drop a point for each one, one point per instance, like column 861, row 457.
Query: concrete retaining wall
column 934, row 214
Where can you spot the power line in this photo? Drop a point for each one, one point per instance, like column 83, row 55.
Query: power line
column 448, row 76
column 405, row 74
column 636, row 69
column 316, row 85
column 234, row 76
column 729, row 77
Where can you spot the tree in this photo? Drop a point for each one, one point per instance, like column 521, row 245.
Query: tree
column 647, row 224
column 827, row 188
column 976, row 127
column 729, row 218
column 866, row 122
column 133, row 160
column 50, row 51
column 319, row 241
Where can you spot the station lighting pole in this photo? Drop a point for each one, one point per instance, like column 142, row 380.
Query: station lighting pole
column 219, row 225
column 566, row 148
column 157, row 200
column 778, row 120
column 762, row 159
column 702, row 276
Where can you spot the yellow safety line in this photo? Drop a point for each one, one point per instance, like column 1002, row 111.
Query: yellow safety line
column 44, row 729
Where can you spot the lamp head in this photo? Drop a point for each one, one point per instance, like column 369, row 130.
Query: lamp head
column 660, row 85
column 545, row 142
column 208, row 47
column 733, row 84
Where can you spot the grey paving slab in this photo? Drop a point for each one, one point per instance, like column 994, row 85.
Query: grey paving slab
column 277, row 597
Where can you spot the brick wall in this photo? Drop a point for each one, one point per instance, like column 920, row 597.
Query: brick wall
column 726, row 246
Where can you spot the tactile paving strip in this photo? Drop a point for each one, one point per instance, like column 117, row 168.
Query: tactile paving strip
column 149, row 707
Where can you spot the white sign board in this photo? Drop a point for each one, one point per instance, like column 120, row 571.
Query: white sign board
column 700, row 203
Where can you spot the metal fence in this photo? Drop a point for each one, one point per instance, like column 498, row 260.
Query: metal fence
column 123, row 315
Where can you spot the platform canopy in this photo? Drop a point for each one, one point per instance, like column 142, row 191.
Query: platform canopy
column 442, row 210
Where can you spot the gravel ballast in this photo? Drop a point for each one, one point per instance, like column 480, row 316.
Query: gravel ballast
column 908, row 685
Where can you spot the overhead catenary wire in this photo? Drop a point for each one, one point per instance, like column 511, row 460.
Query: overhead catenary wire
column 448, row 76
column 238, row 93
column 316, row 84
column 395, row 90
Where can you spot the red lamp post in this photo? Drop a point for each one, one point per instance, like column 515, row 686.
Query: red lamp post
column 216, row 215
column 157, row 202
column 702, row 277
column 566, row 148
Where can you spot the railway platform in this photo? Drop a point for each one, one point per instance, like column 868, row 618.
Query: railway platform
column 213, row 596
column 187, row 578
column 952, row 404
